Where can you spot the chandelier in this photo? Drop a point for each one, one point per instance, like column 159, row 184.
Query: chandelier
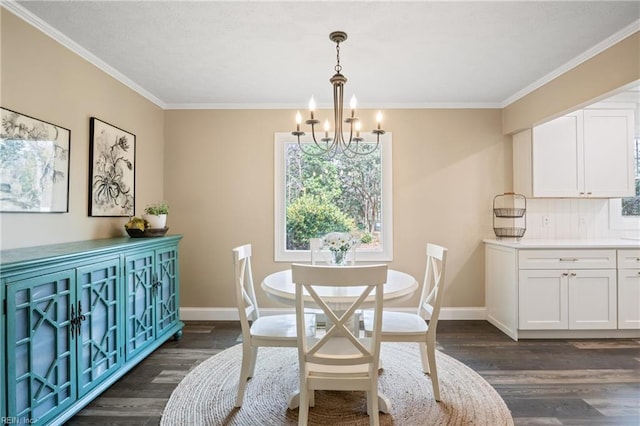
column 330, row 146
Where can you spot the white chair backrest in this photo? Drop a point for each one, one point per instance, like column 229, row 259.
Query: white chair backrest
column 309, row 280
column 245, row 292
column 433, row 286
column 320, row 255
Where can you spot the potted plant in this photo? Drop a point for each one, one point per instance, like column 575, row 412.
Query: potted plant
column 156, row 214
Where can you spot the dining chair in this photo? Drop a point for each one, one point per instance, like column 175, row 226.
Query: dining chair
column 257, row 330
column 340, row 359
column 319, row 255
column 410, row 327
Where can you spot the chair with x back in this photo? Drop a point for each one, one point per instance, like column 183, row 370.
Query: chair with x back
column 268, row 330
column 339, row 360
column 409, row 327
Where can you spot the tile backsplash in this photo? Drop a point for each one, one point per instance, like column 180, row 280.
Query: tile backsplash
column 563, row 218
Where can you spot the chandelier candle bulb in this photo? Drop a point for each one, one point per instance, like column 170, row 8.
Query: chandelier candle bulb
column 353, row 104
column 298, row 121
column 326, row 128
column 379, row 119
column 312, row 106
column 358, row 126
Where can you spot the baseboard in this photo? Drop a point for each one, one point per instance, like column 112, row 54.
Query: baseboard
column 231, row 314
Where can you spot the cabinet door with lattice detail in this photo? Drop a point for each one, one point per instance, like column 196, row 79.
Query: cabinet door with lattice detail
column 41, row 347
column 139, row 302
column 99, row 309
column 166, row 289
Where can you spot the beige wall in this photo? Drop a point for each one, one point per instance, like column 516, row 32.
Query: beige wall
column 614, row 68
column 447, row 166
column 42, row 79
column 216, row 168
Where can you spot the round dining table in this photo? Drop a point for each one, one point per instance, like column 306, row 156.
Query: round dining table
column 400, row 286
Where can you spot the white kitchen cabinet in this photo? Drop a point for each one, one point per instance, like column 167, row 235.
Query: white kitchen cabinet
column 542, row 300
column 629, row 289
column 563, row 289
column 592, row 299
column 553, row 296
column 588, row 153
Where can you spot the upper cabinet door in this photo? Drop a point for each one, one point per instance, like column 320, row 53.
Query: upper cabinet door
column 588, row 153
column 608, row 153
column 558, row 166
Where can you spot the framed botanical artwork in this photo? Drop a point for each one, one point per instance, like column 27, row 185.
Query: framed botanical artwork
column 34, row 165
column 112, row 161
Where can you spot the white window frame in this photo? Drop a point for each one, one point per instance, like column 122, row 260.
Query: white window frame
column 616, row 220
column 283, row 255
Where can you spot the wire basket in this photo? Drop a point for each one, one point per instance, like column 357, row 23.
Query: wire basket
column 509, row 212
column 509, row 215
column 509, row 232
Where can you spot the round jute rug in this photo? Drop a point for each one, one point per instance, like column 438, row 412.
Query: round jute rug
column 207, row 394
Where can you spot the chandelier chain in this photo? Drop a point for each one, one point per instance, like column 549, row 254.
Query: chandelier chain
column 338, row 67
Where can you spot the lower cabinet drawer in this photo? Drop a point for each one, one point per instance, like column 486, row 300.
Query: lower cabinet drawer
column 567, row 259
column 629, row 259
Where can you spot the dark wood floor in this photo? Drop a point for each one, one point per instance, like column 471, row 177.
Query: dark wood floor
column 543, row 382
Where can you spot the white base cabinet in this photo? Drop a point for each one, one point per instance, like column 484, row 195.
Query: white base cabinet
column 629, row 289
column 561, row 293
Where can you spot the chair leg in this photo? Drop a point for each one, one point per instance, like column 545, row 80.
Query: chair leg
column 312, row 398
column 424, row 357
column 372, row 405
column 247, row 353
column 303, row 407
column 431, row 353
column 254, row 356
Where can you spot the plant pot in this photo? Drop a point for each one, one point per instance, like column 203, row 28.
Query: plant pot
column 156, row 221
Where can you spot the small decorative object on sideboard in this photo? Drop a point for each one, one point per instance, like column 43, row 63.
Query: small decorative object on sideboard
column 509, row 215
column 137, row 227
column 156, row 214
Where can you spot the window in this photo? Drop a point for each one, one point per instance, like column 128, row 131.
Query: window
column 625, row 213
column 315, row 195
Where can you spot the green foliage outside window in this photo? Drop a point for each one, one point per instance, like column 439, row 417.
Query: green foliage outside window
column 325, row 194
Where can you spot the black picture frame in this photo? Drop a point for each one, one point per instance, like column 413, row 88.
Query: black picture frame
column 112, row 163
column 34, row 165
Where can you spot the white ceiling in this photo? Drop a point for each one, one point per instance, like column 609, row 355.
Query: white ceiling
column 267, row 54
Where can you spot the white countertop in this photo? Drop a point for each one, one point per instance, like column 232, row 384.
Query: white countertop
column 568, row 244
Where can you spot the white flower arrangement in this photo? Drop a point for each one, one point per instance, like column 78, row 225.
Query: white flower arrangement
column 339, row 243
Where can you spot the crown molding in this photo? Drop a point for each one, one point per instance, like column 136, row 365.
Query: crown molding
column 388, row 106
column 590, row 53
column 33, row 20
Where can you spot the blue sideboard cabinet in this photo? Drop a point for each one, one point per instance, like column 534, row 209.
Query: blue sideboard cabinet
column 77, row 316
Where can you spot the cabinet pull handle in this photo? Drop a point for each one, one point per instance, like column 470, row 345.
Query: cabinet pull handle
column 589, row 193
column 568, row 259
column 72, row 322
column 564, row 274
column 573, row 274
column 81, row 316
